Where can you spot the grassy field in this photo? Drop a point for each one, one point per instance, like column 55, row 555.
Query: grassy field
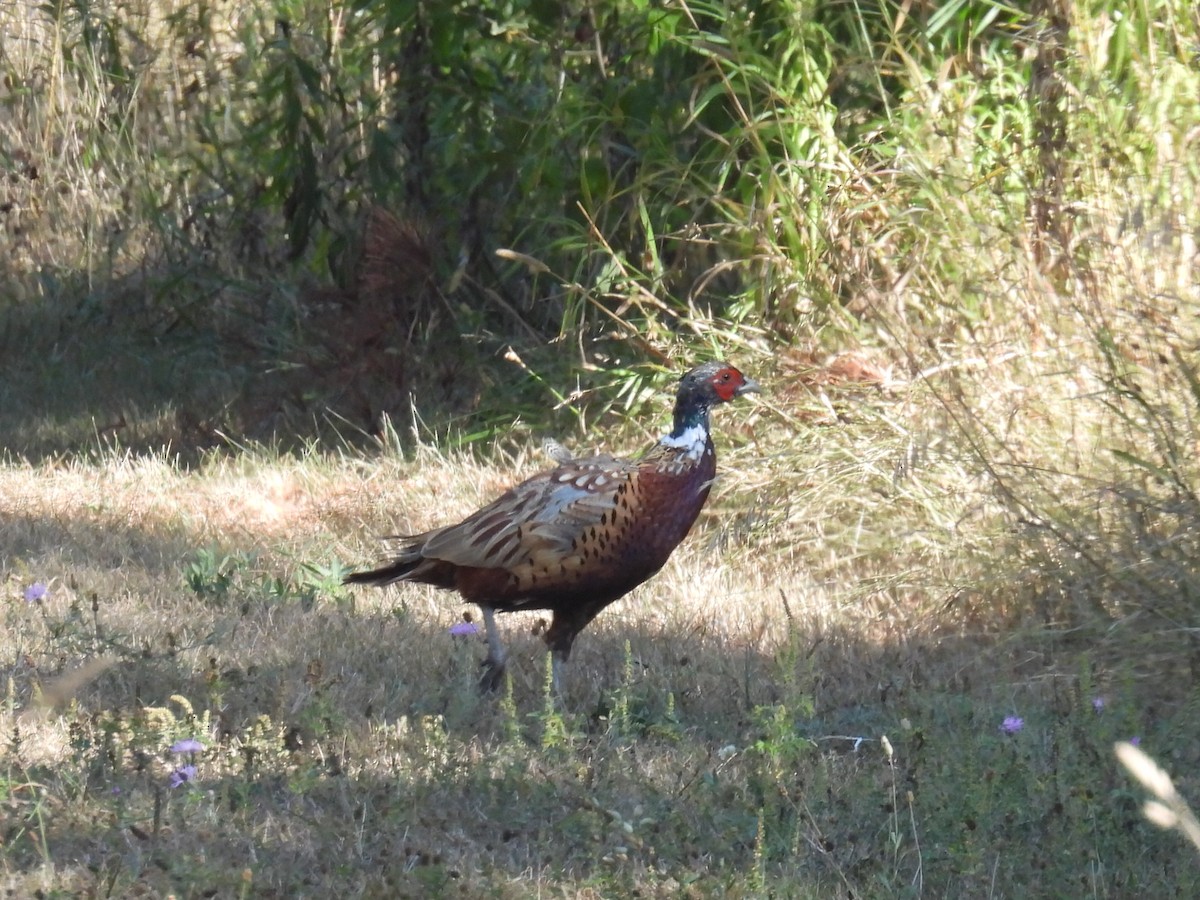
column 834, row 715
column 950, row 561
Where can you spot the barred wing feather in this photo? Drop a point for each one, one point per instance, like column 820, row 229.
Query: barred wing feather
column 535, row 525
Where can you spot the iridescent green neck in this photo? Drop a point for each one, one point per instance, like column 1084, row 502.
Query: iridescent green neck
column 691, row 429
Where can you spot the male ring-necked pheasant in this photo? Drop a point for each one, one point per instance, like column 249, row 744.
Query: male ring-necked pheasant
column 576, row 538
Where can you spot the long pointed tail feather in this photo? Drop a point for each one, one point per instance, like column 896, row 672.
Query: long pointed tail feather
column 395, row 571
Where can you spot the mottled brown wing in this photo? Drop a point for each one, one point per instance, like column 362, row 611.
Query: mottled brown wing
column 541, row 527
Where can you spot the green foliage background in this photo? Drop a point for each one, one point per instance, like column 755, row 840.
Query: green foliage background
column 673, row 180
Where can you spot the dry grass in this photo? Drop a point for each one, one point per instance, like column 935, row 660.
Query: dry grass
column 333, row 684
column 831, row 593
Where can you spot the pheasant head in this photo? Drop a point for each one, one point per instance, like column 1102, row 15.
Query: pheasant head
column 699, row 391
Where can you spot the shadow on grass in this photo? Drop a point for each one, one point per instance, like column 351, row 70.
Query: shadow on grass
column 86, row 380
column 284, row 367
column 348, row 753
column 76, row 542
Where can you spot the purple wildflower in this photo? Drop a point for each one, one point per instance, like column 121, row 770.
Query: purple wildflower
column 1135, row 740
column 188, row 745
column 182, row 776
column 1012, row 724
column 1098, row 704
column 462, row 629
column 36, row 592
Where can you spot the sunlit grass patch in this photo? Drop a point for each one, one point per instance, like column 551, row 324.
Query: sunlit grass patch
column 722, row 725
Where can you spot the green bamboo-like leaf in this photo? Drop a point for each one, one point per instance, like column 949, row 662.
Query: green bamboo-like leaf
column 1157, row 471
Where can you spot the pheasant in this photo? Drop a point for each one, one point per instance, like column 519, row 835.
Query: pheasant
column 576, row 538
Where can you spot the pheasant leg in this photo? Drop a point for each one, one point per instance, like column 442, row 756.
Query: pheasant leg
column 493, row 666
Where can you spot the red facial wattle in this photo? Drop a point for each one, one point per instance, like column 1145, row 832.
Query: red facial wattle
column 726, row 383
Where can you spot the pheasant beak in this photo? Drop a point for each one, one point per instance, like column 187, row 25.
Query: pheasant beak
column 749, row 386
